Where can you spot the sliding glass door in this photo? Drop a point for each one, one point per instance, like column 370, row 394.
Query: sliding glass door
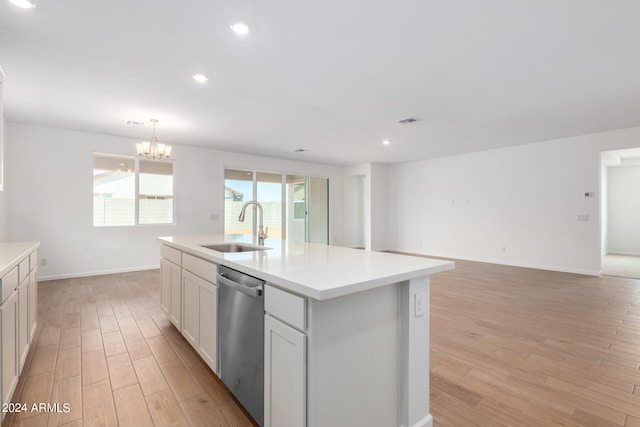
column 296, row 207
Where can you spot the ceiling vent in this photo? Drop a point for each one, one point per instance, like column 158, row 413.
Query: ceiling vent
column 408, row 121
column 134, row 123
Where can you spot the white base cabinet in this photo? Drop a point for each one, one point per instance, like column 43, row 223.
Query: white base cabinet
column 327, row 361
column 170, row 291
column 9, row 316
column 285, row 396
column 200, row 325
column 23, row 321
column 33, row 299
column 189, row 298
column 18, row 311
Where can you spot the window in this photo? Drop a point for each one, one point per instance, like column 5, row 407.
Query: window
column 156, row 192
column 130, row 191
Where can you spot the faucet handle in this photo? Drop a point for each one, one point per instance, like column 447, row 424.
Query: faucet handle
column 266, row 231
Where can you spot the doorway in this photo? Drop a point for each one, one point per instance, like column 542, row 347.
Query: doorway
column 620, row 213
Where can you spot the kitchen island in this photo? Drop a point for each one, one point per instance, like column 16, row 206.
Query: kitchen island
column 346, row 331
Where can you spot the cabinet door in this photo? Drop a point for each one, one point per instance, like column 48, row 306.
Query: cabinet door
column 190, row 307
column 208, row 319
column 170, row 290
column 165, row 286
column 23, row 321
column 176, row 294
column 33, row 302
column 285, row 375
column 9, row 317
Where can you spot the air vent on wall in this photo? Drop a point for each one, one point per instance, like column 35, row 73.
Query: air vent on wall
column 134, row 123
column 408, row 121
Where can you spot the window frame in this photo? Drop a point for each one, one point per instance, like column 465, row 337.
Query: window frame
column 136, row 195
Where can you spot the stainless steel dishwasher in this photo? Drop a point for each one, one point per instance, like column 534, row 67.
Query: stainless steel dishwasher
column 241, row 338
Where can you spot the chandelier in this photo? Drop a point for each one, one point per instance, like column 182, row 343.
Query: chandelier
column 153, row 150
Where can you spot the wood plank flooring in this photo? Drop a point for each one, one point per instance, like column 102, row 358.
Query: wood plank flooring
column 104, row 347
column 509, row 347
column 521, row 347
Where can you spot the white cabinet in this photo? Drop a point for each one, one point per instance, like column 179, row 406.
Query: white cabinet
column 285, row 375
column 170, row 291
column 23, row 320
column 189, row 297
column 208, row 337
column 190, row 307
column 33, row 299
column 200, row 306
column 18, row 312
column 9, row 318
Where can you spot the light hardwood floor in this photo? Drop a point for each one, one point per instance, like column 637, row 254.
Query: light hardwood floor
column 104, row 347
column 521, row 347
column 510, row 347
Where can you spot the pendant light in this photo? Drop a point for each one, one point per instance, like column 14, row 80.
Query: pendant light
column 153, row 150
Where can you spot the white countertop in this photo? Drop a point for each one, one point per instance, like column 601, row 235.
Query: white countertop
column 313, row 270
column 12, row 253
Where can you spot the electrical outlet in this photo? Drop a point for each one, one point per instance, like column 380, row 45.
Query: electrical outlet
column 43, row 262
column 583, row 217
column 503, row 249
column 420, row 308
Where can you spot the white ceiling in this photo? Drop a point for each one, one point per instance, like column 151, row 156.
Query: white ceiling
column 330, row 76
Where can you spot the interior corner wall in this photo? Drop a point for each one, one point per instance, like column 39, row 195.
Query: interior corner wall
column 353, row 216
column 378, row 189
column 49, row 199
column 517, row 206
column 373, row 185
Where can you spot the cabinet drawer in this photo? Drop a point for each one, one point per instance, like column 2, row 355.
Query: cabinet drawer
column 171, row 254
column 23, row 269
column 205, row 269
column 9, row 282
column 287, row 307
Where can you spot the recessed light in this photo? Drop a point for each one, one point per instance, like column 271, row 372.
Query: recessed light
column 25, row 4
column 201, row 78
column 240, row 28
column 386, row 142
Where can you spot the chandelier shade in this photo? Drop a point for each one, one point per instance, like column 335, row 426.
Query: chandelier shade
column 151, row 149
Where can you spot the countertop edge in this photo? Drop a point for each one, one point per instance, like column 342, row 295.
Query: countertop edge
column 22, row 249
column 306, row 291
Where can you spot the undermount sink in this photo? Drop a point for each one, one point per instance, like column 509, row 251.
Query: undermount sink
column 234, row 247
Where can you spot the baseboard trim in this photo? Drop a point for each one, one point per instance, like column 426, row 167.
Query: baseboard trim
column 96, row 273
column 425, row 422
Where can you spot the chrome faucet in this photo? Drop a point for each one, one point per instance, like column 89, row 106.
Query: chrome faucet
column 262, row 233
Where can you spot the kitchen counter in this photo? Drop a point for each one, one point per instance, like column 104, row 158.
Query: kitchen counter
column 346, row 331
column 312, row 270
column 11, row 253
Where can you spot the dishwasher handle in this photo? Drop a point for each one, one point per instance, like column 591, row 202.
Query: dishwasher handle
column 252, row 291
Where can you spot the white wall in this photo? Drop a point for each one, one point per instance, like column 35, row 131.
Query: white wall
column 524, row 200
column 623, row 211
column 4, row 214
column 49, row 172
